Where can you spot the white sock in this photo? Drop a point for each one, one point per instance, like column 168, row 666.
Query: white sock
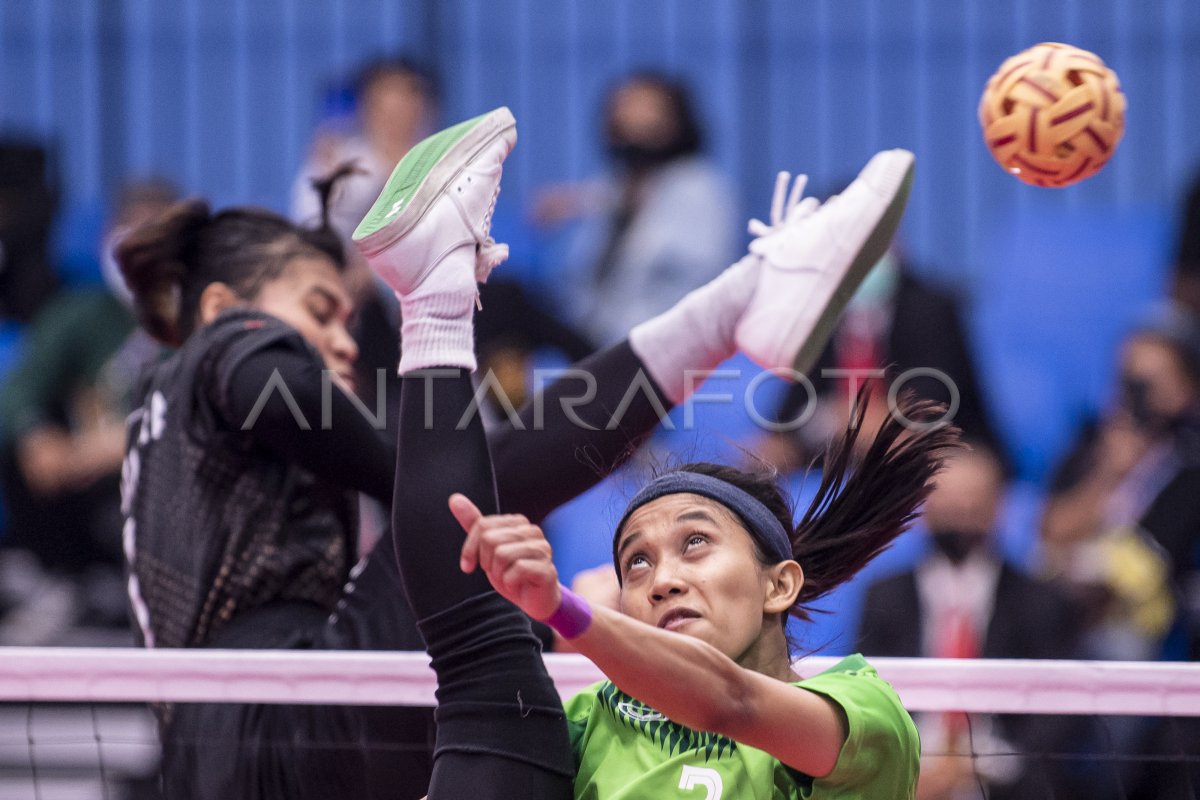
column 437, row 317
column 697, row 333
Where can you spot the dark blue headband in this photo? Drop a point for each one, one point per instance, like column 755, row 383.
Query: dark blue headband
column 764, row 526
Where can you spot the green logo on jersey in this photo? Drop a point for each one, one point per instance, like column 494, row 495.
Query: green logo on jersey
column 669, row 736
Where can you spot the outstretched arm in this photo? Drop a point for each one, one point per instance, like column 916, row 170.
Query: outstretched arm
column 273, row 392
column 688, row 680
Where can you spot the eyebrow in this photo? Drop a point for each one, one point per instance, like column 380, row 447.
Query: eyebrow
column 697, row 515
column 694, row 516
column 624, row 544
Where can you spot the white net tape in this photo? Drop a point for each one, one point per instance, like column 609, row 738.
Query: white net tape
column 75, row 724
column 239, row 676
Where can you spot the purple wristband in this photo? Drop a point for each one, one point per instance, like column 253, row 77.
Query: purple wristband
column 573, row 616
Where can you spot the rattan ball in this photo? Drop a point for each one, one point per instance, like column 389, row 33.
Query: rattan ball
column 1053, row 114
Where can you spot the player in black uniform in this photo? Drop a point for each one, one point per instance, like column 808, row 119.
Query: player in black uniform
column 239, row 495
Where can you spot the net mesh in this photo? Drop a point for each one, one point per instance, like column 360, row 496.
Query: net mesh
column 77, row 723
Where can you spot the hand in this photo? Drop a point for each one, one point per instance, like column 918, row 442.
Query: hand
column 1121, row 446
column 515, row 555
column 45, row 457
column 53, row 460
column 99, row 451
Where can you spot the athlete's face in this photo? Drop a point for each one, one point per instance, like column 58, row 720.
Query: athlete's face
column 688, row 565
column 309, row 295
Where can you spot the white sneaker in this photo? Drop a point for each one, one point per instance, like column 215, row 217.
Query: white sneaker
column 448, row 183
column 814, row 261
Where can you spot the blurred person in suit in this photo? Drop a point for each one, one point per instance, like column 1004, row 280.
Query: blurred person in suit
column 1121, row 525
column 964, row 601
column 1121, row 530
column 660, row 223
column 896, row 322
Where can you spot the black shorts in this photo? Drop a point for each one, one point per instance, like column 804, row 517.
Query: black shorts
column 291, row 752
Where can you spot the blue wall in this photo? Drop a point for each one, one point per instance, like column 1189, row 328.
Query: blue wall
column 222, row 95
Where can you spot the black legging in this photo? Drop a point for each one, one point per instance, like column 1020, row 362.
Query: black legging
column 501, row 729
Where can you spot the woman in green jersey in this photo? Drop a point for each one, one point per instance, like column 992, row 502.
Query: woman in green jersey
column 702, row 700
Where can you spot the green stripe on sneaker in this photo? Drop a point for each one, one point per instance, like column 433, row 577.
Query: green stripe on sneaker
column 409, row 174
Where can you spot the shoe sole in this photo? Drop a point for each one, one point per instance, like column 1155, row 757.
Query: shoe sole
column 867, row 257
column 424, row 174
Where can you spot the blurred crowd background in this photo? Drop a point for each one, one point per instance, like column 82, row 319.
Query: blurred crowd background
column 649, row 132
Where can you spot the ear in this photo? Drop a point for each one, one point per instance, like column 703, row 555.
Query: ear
column 784, row 581
column 216, row 298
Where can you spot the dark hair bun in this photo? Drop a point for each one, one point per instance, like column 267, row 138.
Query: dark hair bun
column 325, row 237
column 154, row 259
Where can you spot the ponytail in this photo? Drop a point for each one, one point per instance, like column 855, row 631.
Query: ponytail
column 154, row 260
column 862, row 505
column 325, row 237
column 168, row 262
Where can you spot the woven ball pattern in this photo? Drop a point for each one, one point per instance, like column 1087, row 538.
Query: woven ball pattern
column 1053, row 114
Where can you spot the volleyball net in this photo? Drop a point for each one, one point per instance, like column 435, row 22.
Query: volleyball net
column 76, row 723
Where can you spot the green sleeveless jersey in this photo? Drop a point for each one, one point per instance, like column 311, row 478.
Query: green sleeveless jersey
column 626, row 750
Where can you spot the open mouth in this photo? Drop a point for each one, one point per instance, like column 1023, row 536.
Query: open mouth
column 676, row 618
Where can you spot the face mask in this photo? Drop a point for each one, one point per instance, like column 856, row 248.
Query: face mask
column 954, row 544
column 1135, row 399
column 635, row 156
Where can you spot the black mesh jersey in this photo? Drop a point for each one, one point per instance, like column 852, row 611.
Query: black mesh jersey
column 215, row 523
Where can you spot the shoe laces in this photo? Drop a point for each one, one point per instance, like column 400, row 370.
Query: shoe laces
column 787, row 208
column 491, row 209
column 489, row 253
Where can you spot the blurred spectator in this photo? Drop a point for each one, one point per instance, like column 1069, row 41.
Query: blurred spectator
column 1122, row 524
column 396, row 101
column 28, row 200
column 660, row 224
column 964, row 601
column 897, row 321
column 1186, row 279
column 62, row 440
